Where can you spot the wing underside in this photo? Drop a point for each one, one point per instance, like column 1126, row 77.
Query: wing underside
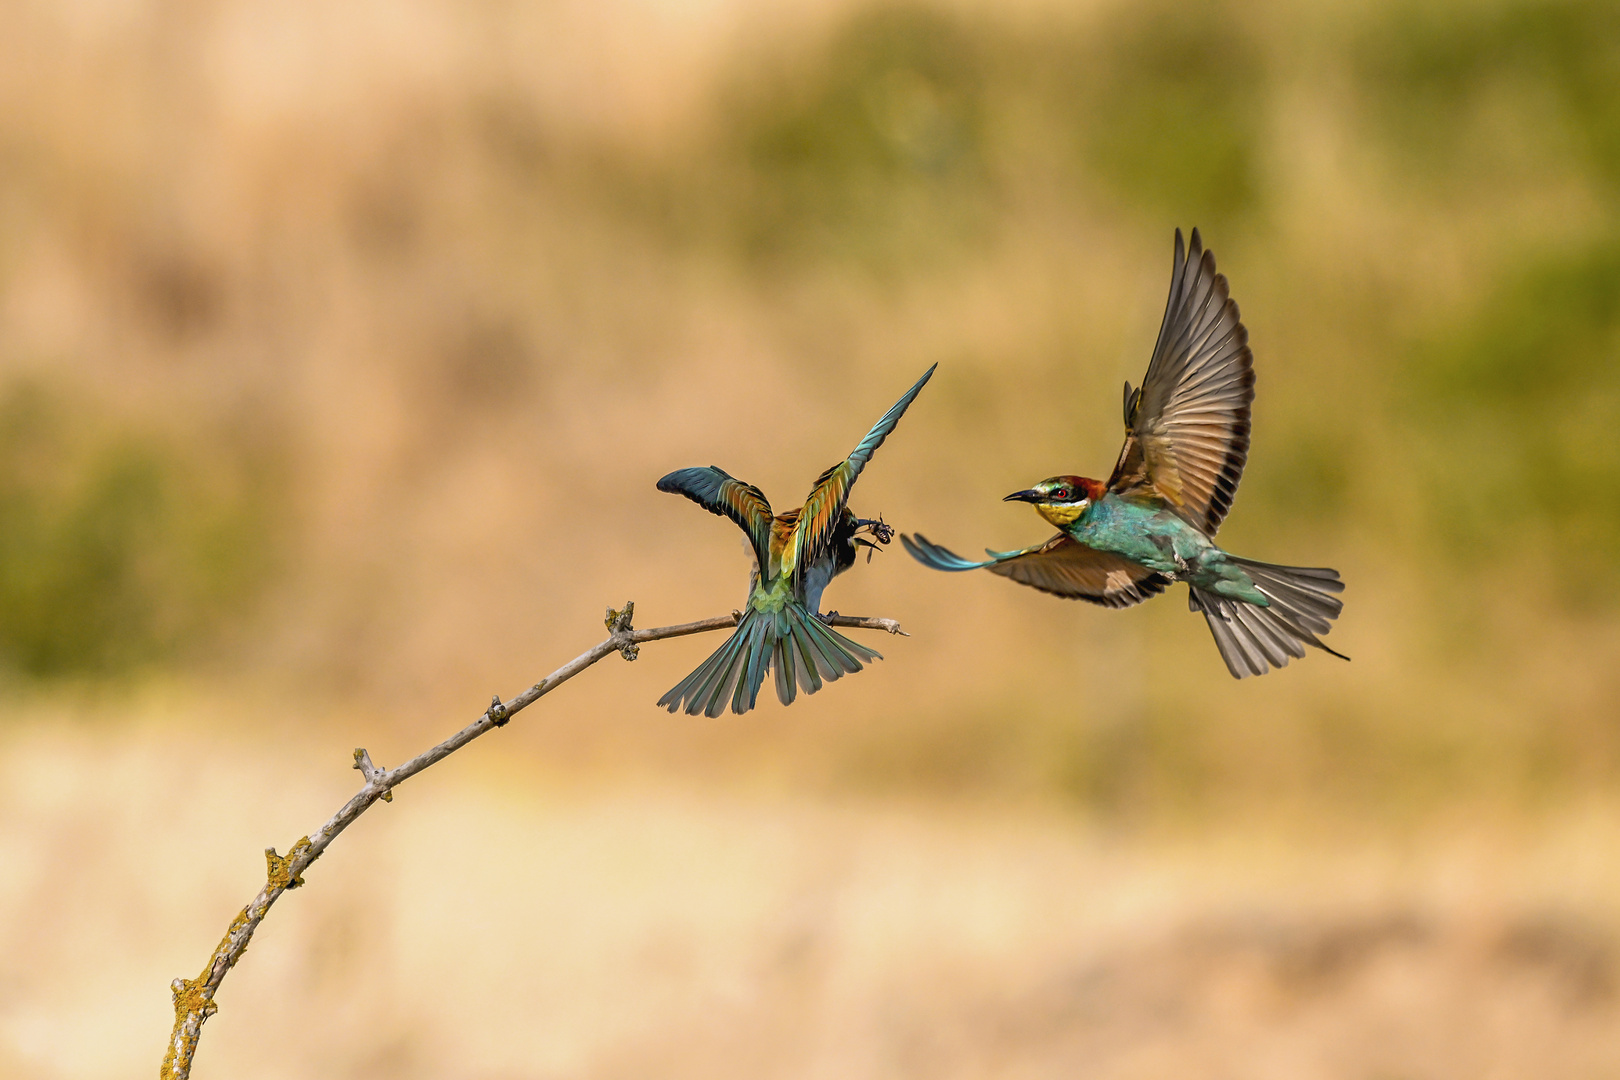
column 1187, row 427
column 1061, row 566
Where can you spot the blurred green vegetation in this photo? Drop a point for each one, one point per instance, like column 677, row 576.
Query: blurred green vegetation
column 119, row 547
column 1453, row 80
column 1519, row 405
column 878, row 144
column 1170, row 102
column 1418, row 203
column 913, row 134
column 1516, row 399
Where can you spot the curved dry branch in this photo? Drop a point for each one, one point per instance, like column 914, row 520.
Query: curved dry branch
column 194, row 998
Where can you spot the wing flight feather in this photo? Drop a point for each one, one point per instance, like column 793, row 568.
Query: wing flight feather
column 1187, row 427
column 1061, row 566
column 719, row 493
column 828, row 497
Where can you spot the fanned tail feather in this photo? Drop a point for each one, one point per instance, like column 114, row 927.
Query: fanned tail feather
column 801, row 650
column 1253, row 639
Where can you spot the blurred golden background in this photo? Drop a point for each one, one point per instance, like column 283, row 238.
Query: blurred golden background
column 341, row 346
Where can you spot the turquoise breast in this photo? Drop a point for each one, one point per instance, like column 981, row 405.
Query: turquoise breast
column 1150, row 535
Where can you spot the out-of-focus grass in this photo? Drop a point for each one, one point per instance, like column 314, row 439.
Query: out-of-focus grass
column 1171, row 106
column 477, row 927
column 1523, row 395
column 1518, row 391
column 913, row 134
column 1452, row 79
column 877, row 146
column 119, row 548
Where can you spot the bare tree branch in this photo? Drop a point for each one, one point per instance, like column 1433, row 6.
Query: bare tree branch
column 194, row 998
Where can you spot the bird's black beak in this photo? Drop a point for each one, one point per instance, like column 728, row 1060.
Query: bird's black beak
column 1028, row 495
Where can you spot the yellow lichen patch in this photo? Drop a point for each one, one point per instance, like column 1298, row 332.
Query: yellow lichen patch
column 180, row 1046
column 280, row 868
column 224, row 946
column 620, row 620
column 191, row 998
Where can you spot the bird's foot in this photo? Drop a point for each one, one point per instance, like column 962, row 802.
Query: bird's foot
column 827, row 616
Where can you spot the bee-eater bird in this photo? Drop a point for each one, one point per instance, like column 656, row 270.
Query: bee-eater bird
column 1153, row 522
column 795, row 555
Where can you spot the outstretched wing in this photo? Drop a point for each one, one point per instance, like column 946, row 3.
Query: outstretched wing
column 1187, row 428
column 719, row 493
column 1060, row 566
column 823, row 508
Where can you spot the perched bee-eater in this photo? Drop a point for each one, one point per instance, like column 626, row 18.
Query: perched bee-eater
column 1153, row 522
column 795, row 555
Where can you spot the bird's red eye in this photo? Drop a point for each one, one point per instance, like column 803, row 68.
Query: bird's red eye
column 1061, row 493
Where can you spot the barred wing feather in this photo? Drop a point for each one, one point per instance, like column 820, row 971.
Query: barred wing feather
column 1187, row 427
column 1061, row 566
column 822, row 509
column 719, row 493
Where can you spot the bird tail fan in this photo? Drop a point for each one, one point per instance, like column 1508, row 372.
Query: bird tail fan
column 1254, row 639
column 792, row 643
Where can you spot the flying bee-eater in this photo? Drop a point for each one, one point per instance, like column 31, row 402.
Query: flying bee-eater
column 1153, row 522
column 795, row 554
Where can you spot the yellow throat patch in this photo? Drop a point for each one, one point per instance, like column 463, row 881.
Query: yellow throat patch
column 1062, row 515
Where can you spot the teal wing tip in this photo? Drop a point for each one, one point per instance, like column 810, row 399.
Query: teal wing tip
column 935, row 557
column 889, row 420
column 670, row 482
column 887, row 423
column 898, row 409
column 916, row 387
column 695, row 483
